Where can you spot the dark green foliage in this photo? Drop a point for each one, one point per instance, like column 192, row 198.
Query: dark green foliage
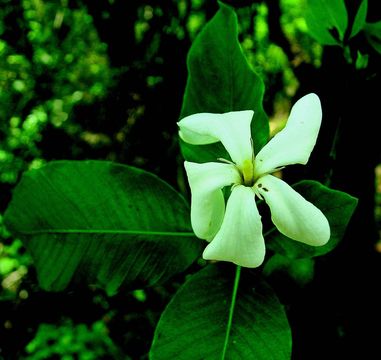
column 327, row 21
column 221, row 80
column 193, row 326
column 373, row 34
column 103, row 223
column 72, row 341
column 104, row 79
column 44, row 77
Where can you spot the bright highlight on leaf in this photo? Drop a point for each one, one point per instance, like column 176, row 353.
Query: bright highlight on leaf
column 236, row 235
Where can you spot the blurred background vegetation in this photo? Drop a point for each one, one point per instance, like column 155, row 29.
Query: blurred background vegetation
column 104, row 79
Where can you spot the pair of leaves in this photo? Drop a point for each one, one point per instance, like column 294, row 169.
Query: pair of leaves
column 87, row 220
column 327, row 20
column 109, row 223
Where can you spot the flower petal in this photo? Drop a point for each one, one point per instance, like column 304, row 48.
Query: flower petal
column 208, row 203
column 292, row 214
column 293, row 144
column 240, row 238
column 232, row 129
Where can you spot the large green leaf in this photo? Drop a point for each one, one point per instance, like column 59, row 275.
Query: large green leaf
column 336, row 205
column 202, row 322
column 327, row 21
column 221, row 80
column 103, row 223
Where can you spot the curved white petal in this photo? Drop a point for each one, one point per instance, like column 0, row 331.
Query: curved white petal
column 294, row 143
column 232, row 129
column 208, row 204
column 240, row 238
column 292, row 214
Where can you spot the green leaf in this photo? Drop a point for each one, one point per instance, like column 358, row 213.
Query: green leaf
column 359, row 21
column 373, row 34
column 327, row 21
column 201, row 323
column 221, row 80
column 337, row 206
column 101, row 223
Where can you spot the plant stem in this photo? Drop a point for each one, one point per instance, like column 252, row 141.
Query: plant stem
column 231, row 311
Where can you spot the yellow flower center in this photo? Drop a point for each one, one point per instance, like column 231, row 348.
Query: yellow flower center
column 247, row 171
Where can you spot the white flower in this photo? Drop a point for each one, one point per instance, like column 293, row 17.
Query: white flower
column 235, row 234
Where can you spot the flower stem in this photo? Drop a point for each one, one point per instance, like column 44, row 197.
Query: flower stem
column 231, row 311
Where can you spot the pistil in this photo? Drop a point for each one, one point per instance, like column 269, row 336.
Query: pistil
column 247, row 171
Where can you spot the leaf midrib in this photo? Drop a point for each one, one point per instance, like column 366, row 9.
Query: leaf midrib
column 231, row 312
column 106, row 231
